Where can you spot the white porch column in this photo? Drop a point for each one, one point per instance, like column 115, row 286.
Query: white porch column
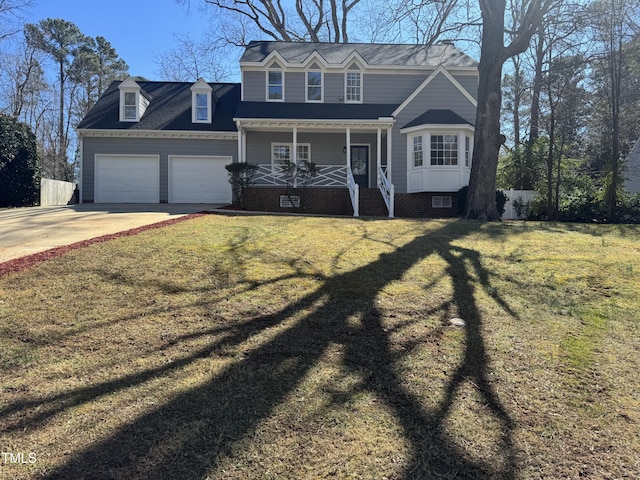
column 241, row 157
column 240, row 153
column 244, row 145
column 389, row 129
column 349, row 148
column 294, row 154
column 378, row 156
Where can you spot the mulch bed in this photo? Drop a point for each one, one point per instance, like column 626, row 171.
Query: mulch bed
column 22, row 263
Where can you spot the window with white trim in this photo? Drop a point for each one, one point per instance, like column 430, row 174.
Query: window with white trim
column 281, row 153
column 353, row 87
column 467, row 151
column 444, row 150
column 275, row 85
column 314, row 86
column 130, row 106
column 202, row 107
column 418, row 158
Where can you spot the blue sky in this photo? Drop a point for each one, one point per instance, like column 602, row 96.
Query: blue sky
column 137, row 29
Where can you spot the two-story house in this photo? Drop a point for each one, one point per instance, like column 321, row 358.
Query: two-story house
column 397, row 119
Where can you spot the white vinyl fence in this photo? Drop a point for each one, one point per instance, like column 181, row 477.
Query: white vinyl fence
column 515, row 198
column 55, row 192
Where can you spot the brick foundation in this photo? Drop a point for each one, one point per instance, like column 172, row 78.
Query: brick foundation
column 419, row 205
column 327, row 201
column 336, row 201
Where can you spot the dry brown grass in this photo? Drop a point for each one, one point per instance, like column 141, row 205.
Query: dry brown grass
column 278, row 347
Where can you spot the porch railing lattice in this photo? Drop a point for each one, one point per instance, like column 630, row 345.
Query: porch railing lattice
column 328, row 176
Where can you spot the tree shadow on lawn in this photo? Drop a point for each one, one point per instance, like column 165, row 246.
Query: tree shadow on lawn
column 185, row 437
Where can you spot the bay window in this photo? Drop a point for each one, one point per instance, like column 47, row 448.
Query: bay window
column 444, row 150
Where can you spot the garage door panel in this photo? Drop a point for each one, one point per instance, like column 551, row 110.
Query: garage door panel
column 199, row 180
column 127, row 179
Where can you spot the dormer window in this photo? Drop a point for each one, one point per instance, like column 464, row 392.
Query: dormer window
column 201, row 102
column 130, row 107
column 202, row 107
column 314, row 86
column 133, row 101
column 275, row 85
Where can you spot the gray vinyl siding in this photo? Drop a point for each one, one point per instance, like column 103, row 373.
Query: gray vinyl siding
column 254, row 87
column 294, row 87
column 469, row 82
column 334, row 87
column 439, row 94
column 376, row 88
column 93, row 146
column 389, row 88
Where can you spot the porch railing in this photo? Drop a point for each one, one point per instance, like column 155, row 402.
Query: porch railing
column 328, row 176
column 354, row 193
column 387, row 190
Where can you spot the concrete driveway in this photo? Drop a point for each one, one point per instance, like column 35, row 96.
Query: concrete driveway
column 24, row 231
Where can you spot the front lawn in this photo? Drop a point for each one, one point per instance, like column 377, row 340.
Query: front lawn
column 292, row 347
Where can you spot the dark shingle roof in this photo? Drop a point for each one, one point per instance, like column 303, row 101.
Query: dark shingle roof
column 169, row 108
column 438, row 117
column 311, row 111
column 374, row 54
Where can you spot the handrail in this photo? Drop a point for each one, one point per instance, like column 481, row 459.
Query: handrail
column 387, row 190
column 354, row 193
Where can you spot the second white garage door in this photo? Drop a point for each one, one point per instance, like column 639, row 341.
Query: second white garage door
column 199, row 179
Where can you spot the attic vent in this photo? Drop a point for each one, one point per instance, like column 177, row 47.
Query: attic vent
column 447, row 42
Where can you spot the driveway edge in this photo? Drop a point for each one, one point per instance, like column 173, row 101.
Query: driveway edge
column 22, row 263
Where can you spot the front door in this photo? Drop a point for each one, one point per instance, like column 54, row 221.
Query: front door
column 360, row 164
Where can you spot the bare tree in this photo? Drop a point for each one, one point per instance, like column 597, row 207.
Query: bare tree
column 21, row 77
column 614, row 23
column 425, row 21
column 10, row 12
column 306, row 21
column 193, row 59
column 61, row 40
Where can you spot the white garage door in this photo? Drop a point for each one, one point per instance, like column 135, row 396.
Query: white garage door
column 127, row 179
column 199, row 180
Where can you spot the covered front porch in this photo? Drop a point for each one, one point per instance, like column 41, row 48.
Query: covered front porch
column 350, row 155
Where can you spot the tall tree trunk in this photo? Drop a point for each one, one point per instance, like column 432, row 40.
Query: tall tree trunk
column 536, row 91
column 61, row 135
column 551, row 153
column 481, row 199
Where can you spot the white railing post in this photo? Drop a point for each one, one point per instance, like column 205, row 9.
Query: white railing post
column 387, row 190
column 354, row 193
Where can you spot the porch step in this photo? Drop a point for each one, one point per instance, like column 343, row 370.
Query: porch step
column 372, row 204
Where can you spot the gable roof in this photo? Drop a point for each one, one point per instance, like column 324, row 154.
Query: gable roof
column 438, row 117
column 374, row 54
column 169, row 108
